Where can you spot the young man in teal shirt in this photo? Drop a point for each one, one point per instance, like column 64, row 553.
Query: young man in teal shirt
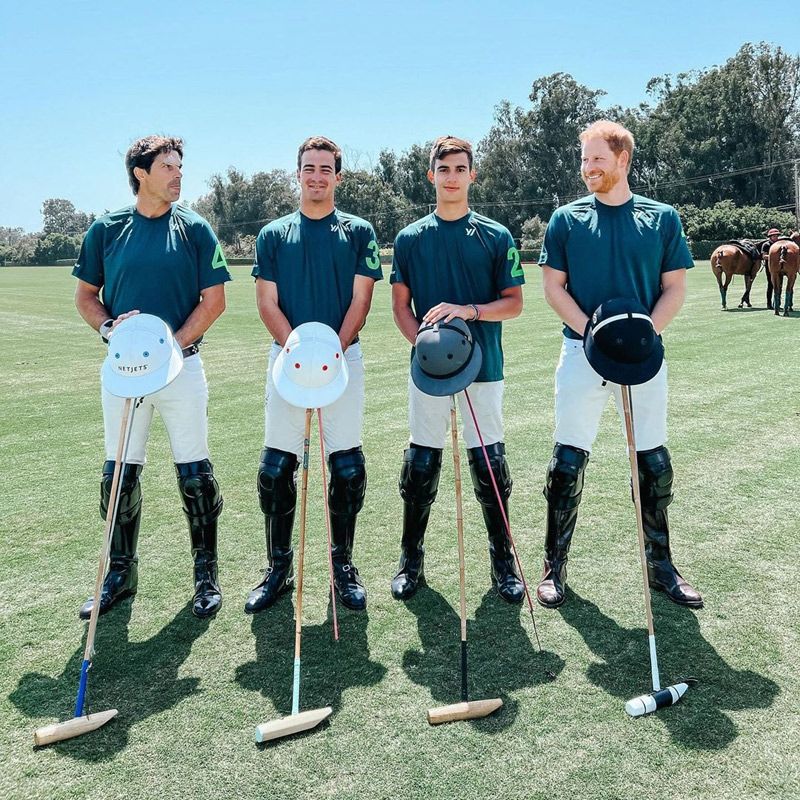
column 456, row 263
column 157, row 257
column 607, row 245
column 317, row 264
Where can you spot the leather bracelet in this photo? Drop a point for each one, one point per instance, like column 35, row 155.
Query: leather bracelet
column 477, row 312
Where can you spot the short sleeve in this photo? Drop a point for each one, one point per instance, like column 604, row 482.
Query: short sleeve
column 554, row 250
column 89, row 266
column 369, row 253
column 508, row 267
column 265, row 266
column 212, row 264
column 400, row 260
column 676, row 248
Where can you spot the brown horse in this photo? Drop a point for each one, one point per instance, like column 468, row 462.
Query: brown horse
column 784, row 260
column 729, row 260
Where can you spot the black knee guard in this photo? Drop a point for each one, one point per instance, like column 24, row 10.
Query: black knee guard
column 565, row 477
column 202, row 505
column 655, row 478
column 348, row 485
column 277, row 489
column 202, row 500
column 130, row 496
column 482, row 480
column 419, row 483
column 122, row 577
column 419, row 476
column 505, row 576
column 348, row 481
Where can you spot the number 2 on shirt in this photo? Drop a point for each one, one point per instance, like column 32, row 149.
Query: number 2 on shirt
column 516, row 267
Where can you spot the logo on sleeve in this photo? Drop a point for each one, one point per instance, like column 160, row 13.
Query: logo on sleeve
column 219, row 258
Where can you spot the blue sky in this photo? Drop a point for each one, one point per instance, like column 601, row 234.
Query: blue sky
column 245, row 82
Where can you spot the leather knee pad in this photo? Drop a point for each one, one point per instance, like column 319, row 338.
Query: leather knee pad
column 481, row 479
column 277, row 488
column 565, row 477
column 130, row 497
column 348, row 481
column 202, row 500
column 655, row 477
column 419, row 476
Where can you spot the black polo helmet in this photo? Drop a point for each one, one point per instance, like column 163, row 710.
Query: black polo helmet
column 446, row 358
column 621, row 343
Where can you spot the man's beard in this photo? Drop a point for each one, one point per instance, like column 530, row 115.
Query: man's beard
column 607, row 182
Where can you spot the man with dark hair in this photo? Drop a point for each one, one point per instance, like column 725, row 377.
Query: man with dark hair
column 324, row 144
column 143, row 152
column 317, row 264
column 611, row 244
column 158, row 257
column 456, row 263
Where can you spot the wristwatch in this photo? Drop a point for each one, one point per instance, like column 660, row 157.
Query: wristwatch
column 105, row 329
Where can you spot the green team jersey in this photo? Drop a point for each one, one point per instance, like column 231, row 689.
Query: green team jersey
column 614, row 251
column 313, row 262
column 468, row 260
column 156, row 265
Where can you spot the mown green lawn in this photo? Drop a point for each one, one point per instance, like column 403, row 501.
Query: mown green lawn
column 189, row 693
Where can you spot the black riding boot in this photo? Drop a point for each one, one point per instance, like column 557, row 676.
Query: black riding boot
column 277, row 493
column 348, row 485
column 563, row 492
column 123, row 570
column 419, row 483
column 655, row 486
column 202, row 505
column 505, row 577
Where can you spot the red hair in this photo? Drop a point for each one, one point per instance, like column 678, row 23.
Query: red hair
column 613, row 134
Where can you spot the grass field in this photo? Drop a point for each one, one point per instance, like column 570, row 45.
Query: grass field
column 191, row 692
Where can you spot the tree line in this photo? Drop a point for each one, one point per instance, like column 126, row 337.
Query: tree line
column 718, row 143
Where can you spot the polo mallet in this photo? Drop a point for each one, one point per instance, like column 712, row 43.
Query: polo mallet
column 505, row 521
column 658, row 698
column 327, row 522
column 83, row 723
column 466, row 709
column 297, row 721
column 143, row 358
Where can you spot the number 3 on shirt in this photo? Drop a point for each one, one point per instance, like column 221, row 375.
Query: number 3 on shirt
column 516, row 267
column 374, row 262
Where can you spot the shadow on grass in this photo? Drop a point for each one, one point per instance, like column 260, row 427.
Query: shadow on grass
column 698, row 721
column 327, row 667
column 138, row 678
column 501, row 656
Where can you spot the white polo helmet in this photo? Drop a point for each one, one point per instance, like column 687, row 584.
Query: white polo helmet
column 143, row 357
column 311, row 370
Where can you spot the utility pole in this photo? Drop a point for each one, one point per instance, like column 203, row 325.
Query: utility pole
column 797, row 193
